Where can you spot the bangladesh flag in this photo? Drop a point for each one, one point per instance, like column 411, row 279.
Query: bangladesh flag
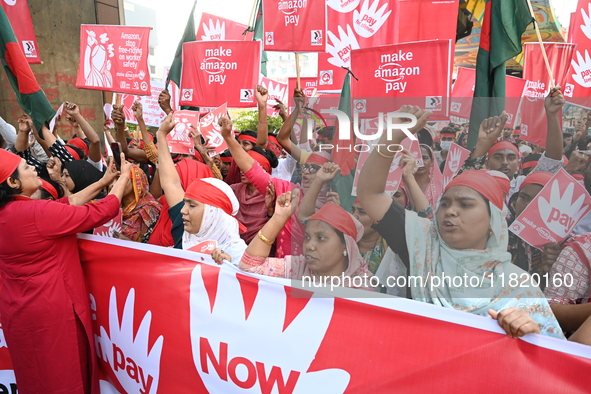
column 28, row 93
column 503, row 24
column 177, row 64
column 344, row 153
column 258, row 36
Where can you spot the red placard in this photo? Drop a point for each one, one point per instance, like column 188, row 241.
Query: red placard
column 454, row 161
column 277, row 91
column 178, row 139
column 578, row 81
column 463, row 92
column 216, row 28
column 153, row 114
column 359, row 24
column 554, row 213
column 217, row 72
column 210, row 130
column 308, row 85
column 111, row 227
column 114, row 59
column 533, row 121
column 20, row 19
column 295, row 26
column 418, row 72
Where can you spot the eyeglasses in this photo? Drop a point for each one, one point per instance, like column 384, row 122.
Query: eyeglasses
column 311, row 168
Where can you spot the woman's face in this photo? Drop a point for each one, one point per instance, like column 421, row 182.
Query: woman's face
column 128, row 191
column 463, row 218
column 359, row 213
column 28, row 180
column 246, row 145
column 324, row 250
column 464, row 142
column 192, row 215
column 309, row 171
column 427, row 162
column 68, row 180
column 525, row 196
column 400, row 197
column 244, row 179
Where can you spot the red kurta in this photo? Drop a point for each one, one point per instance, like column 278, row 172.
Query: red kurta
column 44, row 302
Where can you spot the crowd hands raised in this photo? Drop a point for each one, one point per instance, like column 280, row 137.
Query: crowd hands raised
column 279, row 206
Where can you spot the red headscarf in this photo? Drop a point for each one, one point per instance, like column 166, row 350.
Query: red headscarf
column 338, row 218
column 536, row 178
column 262, row 160
column 8, row 164
column 244, row 137
column 80, row 144
column 503, row 145
column 483, row 183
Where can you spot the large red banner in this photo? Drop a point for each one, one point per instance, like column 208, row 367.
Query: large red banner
column 216, row 28
column 359, row 24
column 19, row 16
column 114, row 59
column 218, row 72
column 171, row 321
column 463, row 92
column 533, row 119
column 294, row 25
column 419, row 72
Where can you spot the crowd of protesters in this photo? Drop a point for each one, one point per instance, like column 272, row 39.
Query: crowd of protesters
column 279, row 206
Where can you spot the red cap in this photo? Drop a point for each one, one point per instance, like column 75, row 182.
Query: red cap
column 536, row 178
column 244, row 137
column 8, row 164
column 483, row 183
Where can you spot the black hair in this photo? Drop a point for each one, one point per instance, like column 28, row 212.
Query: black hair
column 448, row 130
column 268, row 154
column 226, row 153
column 7, row 193
column 45, row 194
column 2, row 141
column 425, row 137
column 566, row 134
column 249, row 133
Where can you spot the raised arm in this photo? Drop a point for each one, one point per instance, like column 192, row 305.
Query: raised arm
column 416, row 195
column 24, row 128
column 94, row 150
column 308, row 203
column 284, row 207
column 372, row 180
column 118, row 117
column 262, row 95
column 553, row 104
column 169, row 178
column 241, row 158
column 149, row 147
column 164, row 101
column 284, row 136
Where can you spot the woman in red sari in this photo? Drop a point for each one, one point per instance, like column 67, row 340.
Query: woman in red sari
column 44, row 304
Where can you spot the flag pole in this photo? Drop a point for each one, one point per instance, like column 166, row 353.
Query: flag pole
column 541, row 42
column 250, row 19
column 297, row 59
column 118, row 99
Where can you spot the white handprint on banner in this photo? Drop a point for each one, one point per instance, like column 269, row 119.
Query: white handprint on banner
column 340, row 48
column 455, row 156
column 586, row 28
column 213, row 32
column 236, row 352
column 109, row 228
column 97, row 66
column 136, row 367
column 582, row 69
column 370, row 19
column 560, row 214
column 343, row 6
